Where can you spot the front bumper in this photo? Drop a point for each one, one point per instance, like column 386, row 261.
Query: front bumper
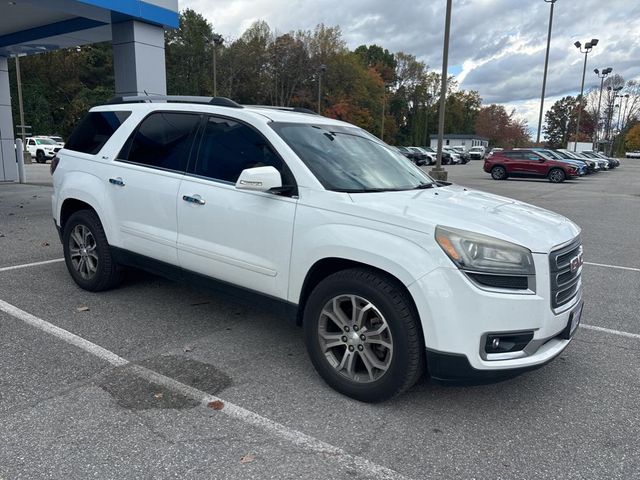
column 457, row 315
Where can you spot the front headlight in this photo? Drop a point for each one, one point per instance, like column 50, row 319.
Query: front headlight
column 475, row 252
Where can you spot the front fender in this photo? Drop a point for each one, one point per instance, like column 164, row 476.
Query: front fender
column 402, row 257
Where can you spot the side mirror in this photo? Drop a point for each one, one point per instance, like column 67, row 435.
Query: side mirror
column 259, row 179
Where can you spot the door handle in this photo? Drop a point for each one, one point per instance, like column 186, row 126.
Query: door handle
column 197, row 199
column 117, row 181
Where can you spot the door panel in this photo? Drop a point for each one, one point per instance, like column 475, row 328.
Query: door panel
column 236, row 236
column 144, row 182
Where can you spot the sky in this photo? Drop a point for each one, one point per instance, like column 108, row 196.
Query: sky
column 497, row 47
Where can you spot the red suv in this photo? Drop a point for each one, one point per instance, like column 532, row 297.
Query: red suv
column 527, row 163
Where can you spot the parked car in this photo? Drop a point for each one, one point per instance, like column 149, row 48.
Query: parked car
column 583, row 167
column 421, row 157
column 602, row 163
column 430, row 157
column 446, row 156
column 592, row 165
column 632, row 154
column 454, row 157
column 495, row 150
column 321, row 217
column 613, row 162
column 56, row 138
column 528, row 163
column 464, row 155
column 42, row 148
column 411, row 155
column 477, row 153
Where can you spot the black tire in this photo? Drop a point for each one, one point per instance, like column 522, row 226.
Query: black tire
column 499, row 173
column 406, row 364
column 557, row 175
column 107, row 273
column 40, row 157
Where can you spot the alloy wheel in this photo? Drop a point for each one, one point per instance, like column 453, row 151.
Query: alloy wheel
column 355, row 338
column 82, row 249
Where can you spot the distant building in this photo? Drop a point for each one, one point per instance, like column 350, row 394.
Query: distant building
column 460, row 140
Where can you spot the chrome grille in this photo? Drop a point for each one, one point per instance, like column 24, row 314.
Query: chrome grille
column 565, row 265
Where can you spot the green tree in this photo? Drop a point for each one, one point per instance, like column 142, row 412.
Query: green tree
column 632, row 139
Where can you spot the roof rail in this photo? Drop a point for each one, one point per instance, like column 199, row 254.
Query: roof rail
column 217, row 101
column 287, row 109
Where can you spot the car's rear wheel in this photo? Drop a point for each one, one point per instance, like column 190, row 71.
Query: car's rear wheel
column 557, row 175
column 40, row 157
column 87, row 253
column 363, row 336
column 499, row 172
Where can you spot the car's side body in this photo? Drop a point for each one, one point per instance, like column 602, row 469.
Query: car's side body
column 528, row 163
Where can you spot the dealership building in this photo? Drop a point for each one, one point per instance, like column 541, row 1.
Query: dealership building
column 135, row 28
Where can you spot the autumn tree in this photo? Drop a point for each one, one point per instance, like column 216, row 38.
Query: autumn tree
column 501, row 128
column 632, row 138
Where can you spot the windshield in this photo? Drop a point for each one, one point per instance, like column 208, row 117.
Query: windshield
column 45, row 141
column 348, row 159
column 56, row 139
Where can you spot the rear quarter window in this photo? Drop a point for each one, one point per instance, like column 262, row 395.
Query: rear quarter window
column 94, row 130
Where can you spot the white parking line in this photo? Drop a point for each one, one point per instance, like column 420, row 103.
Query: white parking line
column 34, row 264
column 635, row 336
column 612, row 266
column 301, row 440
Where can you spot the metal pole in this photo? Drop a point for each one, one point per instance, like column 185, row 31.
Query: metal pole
column 384, row 101
column 440, row 173
column 20, row 159
column 546, row 65
column 584, row 70
column 215, row 67
column 20, row 105
column 319, row 91
column 595, row 134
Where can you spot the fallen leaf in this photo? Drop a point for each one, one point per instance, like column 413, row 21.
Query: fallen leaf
column 248, row 458
column 216, row 405
column 83, row 308
column 188, row 349
column 2, row 235
column 159, row 395
column 45, row 244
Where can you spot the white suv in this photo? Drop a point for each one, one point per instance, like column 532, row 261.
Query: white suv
column 390, row 272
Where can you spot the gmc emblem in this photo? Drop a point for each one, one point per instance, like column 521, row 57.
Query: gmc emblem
column 576, row 262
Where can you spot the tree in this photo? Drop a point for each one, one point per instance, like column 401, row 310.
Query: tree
column 561, row 121
column 189, row 56
column 501, row 128
column 632, row 139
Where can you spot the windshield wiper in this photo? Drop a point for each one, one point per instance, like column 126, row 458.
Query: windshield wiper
column 424, row 186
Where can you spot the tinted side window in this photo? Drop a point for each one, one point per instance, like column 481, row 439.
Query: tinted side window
column 229, row 147
column 94, row 130
column 162, row 140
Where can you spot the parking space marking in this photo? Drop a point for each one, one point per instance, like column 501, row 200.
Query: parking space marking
column 635, row 336
column 34, row 264
column 301, row 440
column 633, row 269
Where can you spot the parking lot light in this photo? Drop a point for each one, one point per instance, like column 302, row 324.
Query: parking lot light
column 587, row 48
column 605, row 72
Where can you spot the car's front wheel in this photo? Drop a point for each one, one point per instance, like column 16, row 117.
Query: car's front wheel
column 40, row 157
column 87, row 253
column 499, row 172
column 363, row 335
column 557, row 175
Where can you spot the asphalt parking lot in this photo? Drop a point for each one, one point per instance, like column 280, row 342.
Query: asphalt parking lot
column 129, row 383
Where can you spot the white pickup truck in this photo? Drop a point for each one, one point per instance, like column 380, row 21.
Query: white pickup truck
column 42, row 148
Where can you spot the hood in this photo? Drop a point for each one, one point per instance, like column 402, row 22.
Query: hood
column 538, row 229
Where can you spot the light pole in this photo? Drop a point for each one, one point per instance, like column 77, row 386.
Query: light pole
column 321, row 69
column 217, row 41
column 438, row 172
column 20, row 104
column 546, row 65
column 605, row 72
column 587, row 48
